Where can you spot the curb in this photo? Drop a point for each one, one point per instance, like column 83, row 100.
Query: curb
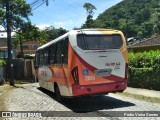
column 143, row 92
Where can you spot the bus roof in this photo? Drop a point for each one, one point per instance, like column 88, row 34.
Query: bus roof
column 53, row 41
column 73, row 31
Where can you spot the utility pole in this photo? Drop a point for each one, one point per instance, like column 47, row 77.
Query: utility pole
column 9, row 44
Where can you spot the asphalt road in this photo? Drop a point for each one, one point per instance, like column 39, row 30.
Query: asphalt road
column 31, row 97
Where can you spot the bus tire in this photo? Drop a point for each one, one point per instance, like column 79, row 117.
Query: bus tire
column 57, row 93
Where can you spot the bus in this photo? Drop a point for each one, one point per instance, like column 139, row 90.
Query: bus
column 83, row 62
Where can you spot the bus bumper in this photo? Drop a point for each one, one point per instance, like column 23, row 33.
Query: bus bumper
column 80, row 90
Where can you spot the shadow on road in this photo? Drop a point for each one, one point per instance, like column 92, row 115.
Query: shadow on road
column 90, row 103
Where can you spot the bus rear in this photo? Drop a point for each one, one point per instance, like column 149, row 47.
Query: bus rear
column 98, row 61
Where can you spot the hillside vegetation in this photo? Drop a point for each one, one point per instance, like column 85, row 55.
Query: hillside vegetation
column 136, row 18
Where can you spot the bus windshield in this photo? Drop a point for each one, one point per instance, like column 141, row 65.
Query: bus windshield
column 99, row 42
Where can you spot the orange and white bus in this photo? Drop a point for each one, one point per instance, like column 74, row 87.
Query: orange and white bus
column 83, row 62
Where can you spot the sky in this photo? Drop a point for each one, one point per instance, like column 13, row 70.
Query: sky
column 67, row 14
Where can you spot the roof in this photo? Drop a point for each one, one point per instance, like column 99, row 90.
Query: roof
column 147, row 42
column 4, row 34
column 52, row 41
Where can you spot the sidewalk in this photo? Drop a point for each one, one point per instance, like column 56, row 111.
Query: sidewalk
column 143, row 92
column 4, row 88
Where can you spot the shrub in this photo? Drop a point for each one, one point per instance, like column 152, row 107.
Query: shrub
column 144, row 70
column 2, row 63
column 143, row 78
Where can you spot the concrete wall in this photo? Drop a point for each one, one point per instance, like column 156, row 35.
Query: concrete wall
column 23, row 69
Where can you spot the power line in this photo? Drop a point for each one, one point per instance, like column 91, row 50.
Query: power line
column 35, row 3
column 43, row 14
column 38, row 6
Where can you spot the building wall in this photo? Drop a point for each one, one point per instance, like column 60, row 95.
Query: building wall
column 4, row 48
column 3, row 38
column 29, row 47
column 3, row 42
column 4, row 53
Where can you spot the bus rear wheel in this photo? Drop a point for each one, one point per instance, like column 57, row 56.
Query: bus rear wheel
column 58, row 94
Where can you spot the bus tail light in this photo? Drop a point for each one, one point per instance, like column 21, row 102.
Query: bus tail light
column 75, row 74
column 126, row 72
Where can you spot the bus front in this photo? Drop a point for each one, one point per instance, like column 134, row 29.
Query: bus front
column 99, row 62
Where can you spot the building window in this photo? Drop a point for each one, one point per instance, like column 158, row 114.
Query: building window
column 35, row 46
column 25, row 47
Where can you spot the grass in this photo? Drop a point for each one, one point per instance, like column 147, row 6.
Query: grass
column 4, row 88
column 141, row 97
column 3, row 91
column 21, row 82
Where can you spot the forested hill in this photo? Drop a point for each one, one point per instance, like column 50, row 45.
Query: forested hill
column 136, row 18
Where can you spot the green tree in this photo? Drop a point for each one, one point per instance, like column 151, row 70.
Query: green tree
column 53, row 33
column 2, row 63
column 136, row 18
column 19, row 12
column 89, row 21
column 29, row 32
column 156, row 27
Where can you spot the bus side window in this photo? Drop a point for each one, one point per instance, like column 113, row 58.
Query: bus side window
column 65, row 51
column 41, row 57
column 58, row 53
column 48, row 61
column 46, row 56
column 52, row 54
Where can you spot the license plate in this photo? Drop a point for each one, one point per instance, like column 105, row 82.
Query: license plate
column 103, row 72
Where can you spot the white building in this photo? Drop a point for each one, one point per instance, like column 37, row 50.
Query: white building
column 3, row 42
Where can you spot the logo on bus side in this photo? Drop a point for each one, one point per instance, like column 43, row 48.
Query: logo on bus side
column 113, row 64
column 85, row 72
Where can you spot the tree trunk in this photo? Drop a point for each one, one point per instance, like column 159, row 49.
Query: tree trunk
column 21, row 45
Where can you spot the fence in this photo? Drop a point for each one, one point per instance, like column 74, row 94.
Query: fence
column 23, row 69
column 1, row 76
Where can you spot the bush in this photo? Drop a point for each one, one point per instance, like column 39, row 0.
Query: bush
column 144, row 70
column 144, row 59
column 2, row 63
column 143, row 78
